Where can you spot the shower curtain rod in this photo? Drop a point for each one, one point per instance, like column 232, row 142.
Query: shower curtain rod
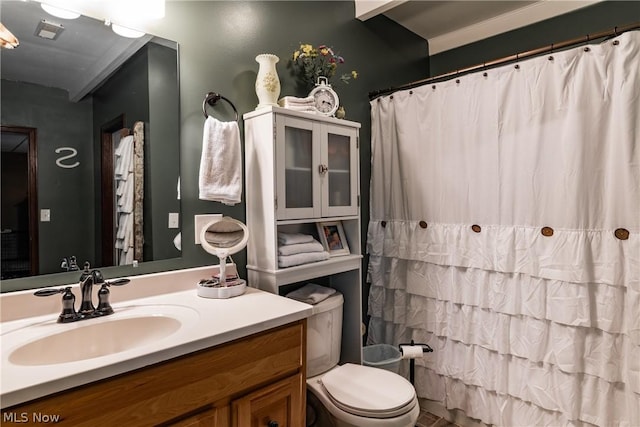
column 500, row 61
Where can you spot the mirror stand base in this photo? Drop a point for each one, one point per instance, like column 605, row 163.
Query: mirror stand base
column 222, row 292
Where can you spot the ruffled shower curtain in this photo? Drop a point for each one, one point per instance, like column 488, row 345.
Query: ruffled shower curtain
column 505, row 233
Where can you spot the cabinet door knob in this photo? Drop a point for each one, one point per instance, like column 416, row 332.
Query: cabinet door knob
column 323, row 169
column 272, row 424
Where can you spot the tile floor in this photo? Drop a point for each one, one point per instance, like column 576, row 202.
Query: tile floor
column 427, row 419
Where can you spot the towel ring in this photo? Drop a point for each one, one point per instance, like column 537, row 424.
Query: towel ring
column 211, row 98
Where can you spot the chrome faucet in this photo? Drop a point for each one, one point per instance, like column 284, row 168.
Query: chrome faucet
column 87, row 309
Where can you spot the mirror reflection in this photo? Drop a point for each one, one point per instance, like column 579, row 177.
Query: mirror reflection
column 224, row 234
column 90, row 145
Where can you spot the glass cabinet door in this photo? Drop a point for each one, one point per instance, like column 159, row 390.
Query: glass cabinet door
column 296, row 160
column 341, row 179
column 316, row 169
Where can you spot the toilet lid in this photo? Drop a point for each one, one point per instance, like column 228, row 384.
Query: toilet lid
column 368, row 391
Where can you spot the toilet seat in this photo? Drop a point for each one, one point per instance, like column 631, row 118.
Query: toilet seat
column 368, row 392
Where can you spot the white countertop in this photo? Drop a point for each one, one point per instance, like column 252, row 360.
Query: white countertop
column 208, row 322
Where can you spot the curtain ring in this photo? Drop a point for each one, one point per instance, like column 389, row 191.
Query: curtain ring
column 551, row 50
column 586, row 48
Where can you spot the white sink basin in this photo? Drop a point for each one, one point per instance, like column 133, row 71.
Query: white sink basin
column 129, row 328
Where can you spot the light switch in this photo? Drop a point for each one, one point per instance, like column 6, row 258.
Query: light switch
column 174, row 219
column 45, row 215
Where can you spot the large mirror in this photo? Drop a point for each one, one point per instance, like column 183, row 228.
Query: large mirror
column 84, row 109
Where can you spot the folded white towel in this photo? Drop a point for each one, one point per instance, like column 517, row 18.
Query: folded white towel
column 308, row 108
column 311, row 293
column 292, row 100
column 220, row 177
column 299, row 259
column 294, row 238
column 300, row 248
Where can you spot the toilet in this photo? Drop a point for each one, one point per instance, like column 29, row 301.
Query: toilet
column 350, row 395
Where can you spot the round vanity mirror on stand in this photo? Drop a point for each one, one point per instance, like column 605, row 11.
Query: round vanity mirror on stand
column 223, row 237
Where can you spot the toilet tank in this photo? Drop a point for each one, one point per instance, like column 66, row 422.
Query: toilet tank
column 324, row 335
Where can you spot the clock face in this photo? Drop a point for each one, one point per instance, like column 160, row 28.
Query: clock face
column 325, row 100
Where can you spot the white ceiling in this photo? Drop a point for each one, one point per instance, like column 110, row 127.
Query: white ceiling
column 452, row 23
column 84, row 54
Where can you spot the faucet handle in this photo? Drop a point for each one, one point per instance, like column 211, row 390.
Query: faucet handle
column 117, row 282
column 104, row 307
column 69, row 313
column 49, row 292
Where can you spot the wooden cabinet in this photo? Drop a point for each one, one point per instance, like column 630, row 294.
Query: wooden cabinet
column 272, row 406
column 303, row 169
column 256, row 378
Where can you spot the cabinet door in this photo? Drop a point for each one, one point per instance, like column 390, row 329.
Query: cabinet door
column 339, row 153
column 212, row 417
column 281, row 404
column 297, row 159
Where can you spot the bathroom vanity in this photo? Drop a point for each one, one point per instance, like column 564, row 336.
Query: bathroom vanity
column 233, row 362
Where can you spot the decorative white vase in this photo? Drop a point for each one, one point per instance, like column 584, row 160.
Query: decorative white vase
column 267, row 81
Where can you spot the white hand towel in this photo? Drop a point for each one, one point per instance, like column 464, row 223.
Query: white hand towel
column 293, row 238
column 300, row 248
column 311, row 293
column 221, row 162
column 124, row 157
column 299, row 259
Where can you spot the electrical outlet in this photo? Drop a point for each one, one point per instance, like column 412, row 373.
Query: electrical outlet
column 45, row 215
column 200, row 221
column 174, row 219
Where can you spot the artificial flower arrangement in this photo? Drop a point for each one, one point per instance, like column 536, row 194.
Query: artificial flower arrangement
column 310, row 62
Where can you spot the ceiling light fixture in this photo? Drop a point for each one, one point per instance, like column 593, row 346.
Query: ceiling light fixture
column 135, row 11
column 126, row 32
column 59, row 12
column 7, row 39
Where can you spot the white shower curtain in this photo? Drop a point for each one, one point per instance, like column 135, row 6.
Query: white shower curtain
column 505, row 233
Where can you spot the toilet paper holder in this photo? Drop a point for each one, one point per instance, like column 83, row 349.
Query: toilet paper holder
column 411, row 351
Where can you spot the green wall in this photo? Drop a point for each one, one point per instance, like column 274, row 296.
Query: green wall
column 161, row 151
column 599, row 17
column 218, row 42
column 58, row 188
column 218, row 45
